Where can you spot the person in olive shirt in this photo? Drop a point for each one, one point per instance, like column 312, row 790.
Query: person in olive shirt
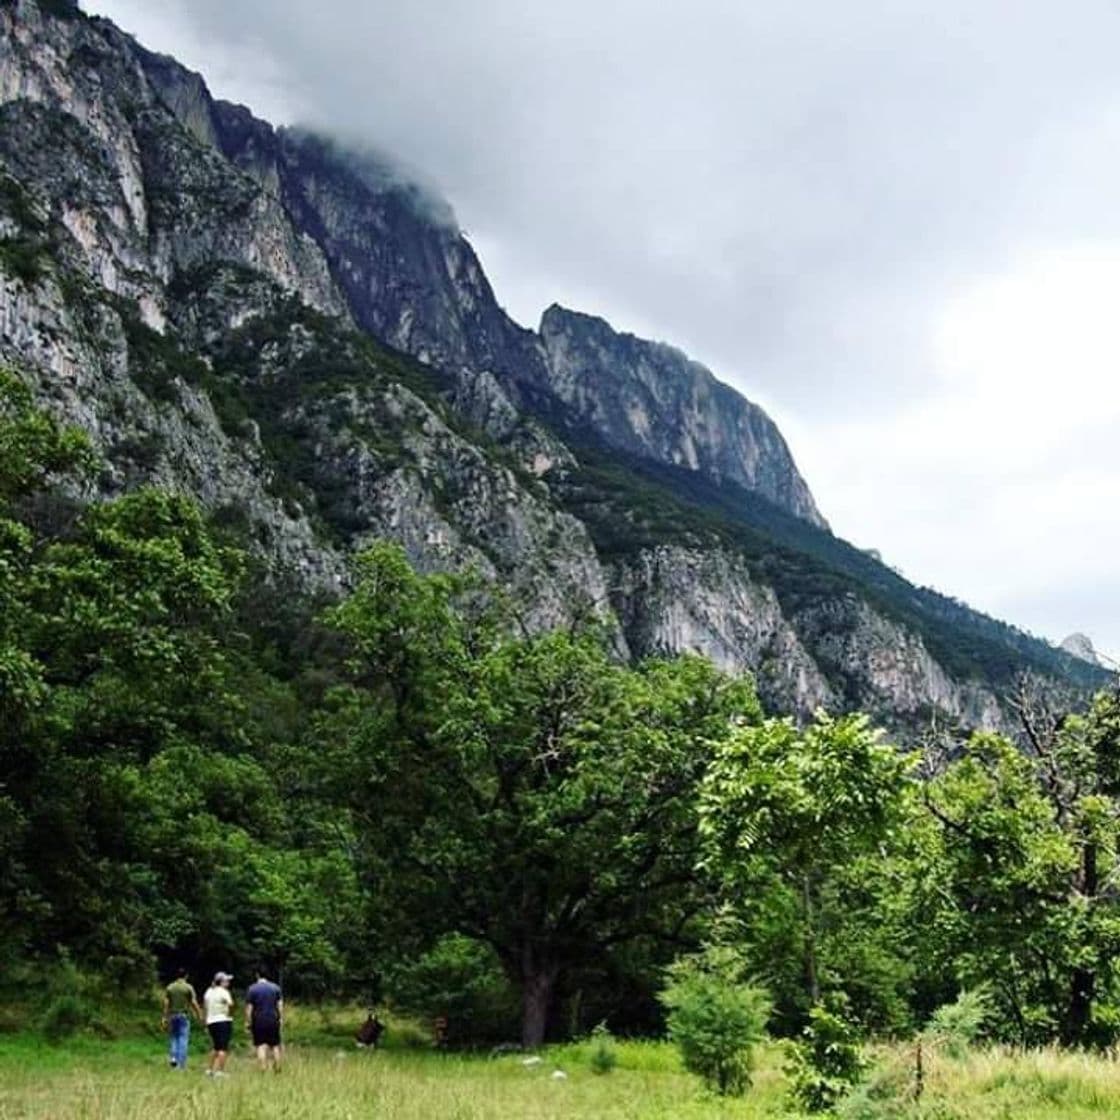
column 179, row 1000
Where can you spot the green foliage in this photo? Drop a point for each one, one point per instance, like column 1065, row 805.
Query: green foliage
column 715, row 1018
column 65, row 1015
column 71, row 997
column 543, row 796
column 1014, row 876
column 956, row 1026
column 409, row 791
column 34, row 449
column 24, row 257
column 461, row 980
column 604, row 1053
column 827, row 1062
column 804, row 827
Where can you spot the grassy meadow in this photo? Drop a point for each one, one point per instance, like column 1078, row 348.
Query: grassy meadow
column 89, row 1078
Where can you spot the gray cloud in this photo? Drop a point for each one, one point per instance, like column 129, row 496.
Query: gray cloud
column 825, row 202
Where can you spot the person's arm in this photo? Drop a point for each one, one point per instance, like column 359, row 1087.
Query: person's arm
column 280, row 1010
column 165, row 1007
column 194, row 1004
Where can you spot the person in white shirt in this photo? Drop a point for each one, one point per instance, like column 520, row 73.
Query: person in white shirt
column 217, row 1005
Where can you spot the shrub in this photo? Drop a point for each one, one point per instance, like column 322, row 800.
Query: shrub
column 64, row 1016
column 604, row 1057
column 461, row 979
column 827, row 1063
column 956, row 1026
column 715, row 1017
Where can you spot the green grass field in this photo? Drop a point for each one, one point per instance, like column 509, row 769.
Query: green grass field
column 129, row 1080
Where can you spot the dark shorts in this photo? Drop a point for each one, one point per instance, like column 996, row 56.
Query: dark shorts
column 265, row 1032
column 220, row 1034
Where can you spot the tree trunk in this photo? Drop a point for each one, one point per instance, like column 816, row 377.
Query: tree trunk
column 536, row 1002
column 1083, row 981
column 1083, row 985
column 810, row 944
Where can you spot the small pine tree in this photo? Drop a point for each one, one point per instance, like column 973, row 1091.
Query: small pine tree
column 715, row 1018
column 603, row 1054
column 827, row 1063
column 956, row 1026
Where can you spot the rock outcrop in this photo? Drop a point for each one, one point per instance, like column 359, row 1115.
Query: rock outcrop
column 303, row 338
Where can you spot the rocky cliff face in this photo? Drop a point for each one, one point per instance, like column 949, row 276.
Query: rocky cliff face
column 305, row 341
column 412, row 279
column 649, row 399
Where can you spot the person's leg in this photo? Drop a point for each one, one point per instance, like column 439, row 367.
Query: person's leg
column 262, row 1056
column 185, row 1042
column 178, row 1029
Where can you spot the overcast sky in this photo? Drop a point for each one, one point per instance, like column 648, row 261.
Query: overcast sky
column 895, row 225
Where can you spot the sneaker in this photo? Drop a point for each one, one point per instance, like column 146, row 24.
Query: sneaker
column 208, row 1072
column 220, row 1073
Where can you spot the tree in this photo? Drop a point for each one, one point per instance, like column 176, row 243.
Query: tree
column 716, row 1016
column 803, row 828
column 526, row 792
column 1022, row 875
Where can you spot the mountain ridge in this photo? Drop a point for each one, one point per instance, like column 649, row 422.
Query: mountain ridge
column 228, row 309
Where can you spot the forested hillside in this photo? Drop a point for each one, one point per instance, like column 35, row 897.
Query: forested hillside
column 401, row 794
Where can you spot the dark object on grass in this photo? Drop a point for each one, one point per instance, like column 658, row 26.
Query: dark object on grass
column 370, row 1031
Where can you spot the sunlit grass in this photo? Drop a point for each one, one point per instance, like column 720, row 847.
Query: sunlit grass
column 325, row 1076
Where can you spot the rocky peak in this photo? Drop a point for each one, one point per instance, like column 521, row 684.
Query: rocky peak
column 649, row 399
column 1080, row 645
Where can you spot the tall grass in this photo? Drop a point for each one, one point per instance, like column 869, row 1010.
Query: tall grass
column 327, row 1077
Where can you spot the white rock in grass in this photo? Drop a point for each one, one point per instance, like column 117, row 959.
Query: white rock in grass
column 559, row 1075
column 531, row 1061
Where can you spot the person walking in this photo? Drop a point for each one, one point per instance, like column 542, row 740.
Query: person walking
column 264, row 1014
column 218, row 1002
column 179, row 1000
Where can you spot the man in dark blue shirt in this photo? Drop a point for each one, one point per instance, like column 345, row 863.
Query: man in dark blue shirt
column 264, row 1013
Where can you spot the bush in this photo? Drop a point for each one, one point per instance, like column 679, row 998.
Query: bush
column 461, row 979
column 956, row 1026
column 827, row 1063
column 64, row 1016
column 604, row 1057
column 715, row 1018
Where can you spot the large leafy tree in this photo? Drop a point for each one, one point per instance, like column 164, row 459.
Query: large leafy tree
column 1022, row 879
column 136, row 812
column 527, row 792
column 804, row 828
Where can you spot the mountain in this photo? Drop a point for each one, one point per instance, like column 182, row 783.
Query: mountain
column 1081, row 646
column 303, row 338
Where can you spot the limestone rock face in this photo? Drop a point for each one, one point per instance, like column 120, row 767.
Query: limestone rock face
column 301, row 336
column 671, row 599
column 1081, row 646
column 411, row 278
column 649, row 399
